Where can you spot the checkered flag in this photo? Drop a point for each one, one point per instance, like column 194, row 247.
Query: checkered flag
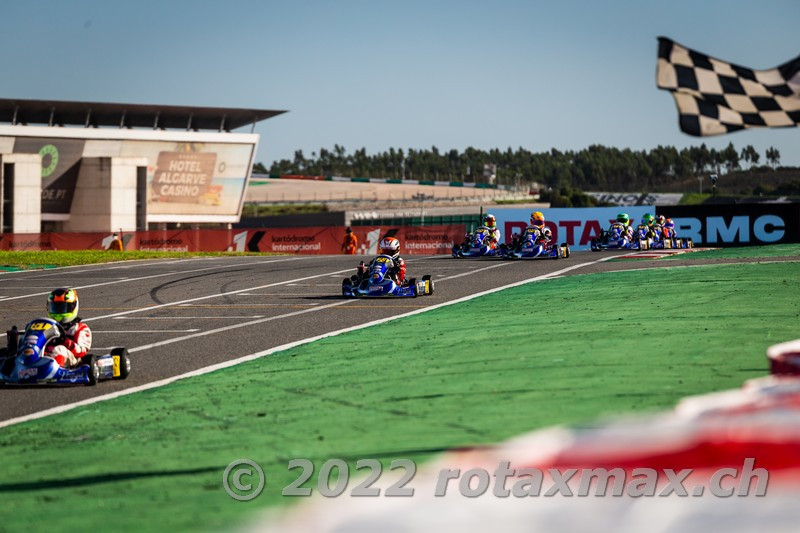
column 715, row 97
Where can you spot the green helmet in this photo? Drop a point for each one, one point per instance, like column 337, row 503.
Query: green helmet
column 62, row 305
column 623, row 217
column 648, row 219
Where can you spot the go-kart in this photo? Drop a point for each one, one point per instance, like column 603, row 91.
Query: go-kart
column 617, row 239
column 376, row 280
column 25, row 362
column 528, row 246
column 669, row 241
column 477, row 244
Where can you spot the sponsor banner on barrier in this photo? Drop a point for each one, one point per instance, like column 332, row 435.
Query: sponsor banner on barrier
column 736, row 224
column 576, row 226
column 424, row 240
column 624, row 198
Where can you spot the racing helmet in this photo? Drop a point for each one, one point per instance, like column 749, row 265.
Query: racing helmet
column 648, row 219
column 489, row 221
column 669, row 224
column 623, row 218
column 660, row 219
column 62, row 305
column 391, row 247
column 537, row 218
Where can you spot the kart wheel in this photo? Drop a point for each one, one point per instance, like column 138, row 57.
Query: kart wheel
column 124, row 362
column 413, row 283
column 7, row 365
column 566, row 250
column 428, row 278
column 94, row 370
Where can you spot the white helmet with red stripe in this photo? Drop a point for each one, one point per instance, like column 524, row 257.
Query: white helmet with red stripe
column 391, row 247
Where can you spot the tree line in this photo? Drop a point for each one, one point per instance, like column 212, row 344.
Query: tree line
column 594, row 168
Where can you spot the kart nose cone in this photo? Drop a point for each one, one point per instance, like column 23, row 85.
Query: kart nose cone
column 30, row 354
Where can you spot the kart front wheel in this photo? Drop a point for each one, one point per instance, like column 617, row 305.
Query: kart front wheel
column 346, row 286
column 413, row 283
column 94, row 369
column 124, row 362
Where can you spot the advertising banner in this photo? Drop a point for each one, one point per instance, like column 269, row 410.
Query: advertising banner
column 182, row 176
column 736, row 224
column 617, row 198
column 576, row 226
column 194, row 179
column 427, row 240
column 189, row 179
column 61, row 162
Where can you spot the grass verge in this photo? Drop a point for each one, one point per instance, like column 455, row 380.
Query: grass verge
column 12, row 261
column 561, row 351
column 744, row 252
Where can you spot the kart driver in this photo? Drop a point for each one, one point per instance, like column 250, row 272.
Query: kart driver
column 391, row 247
column 62, row 306
column 545, row 233
column 490, row 222
column 658, row 226
column 648, row 221
column 623, row 223
column 669, row 229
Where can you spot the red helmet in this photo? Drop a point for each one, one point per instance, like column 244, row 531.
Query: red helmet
column 391, row 247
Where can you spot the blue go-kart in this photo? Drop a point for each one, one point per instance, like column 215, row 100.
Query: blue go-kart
column 376, row 281
column 25, row 362
column 477, row 245
column 527, row 246
column 617, row 239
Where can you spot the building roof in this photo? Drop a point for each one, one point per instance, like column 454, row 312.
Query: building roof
column 94, row 114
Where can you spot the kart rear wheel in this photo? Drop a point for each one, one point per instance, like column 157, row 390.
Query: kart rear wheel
column 94, row 369
column 124, row 362
column 565, row 246
column 428, row 278
column 413, row 283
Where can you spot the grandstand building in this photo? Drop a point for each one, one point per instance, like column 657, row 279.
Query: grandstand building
column 86, row 167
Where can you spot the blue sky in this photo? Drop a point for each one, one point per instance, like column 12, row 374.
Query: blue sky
column 412, row 74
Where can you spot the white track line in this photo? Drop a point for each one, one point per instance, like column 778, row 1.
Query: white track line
column 226, row 317
column 225, row 267
column 114, row 265
column 258, row 355
column 145, row 331
column 237, row 326
column 504, row 263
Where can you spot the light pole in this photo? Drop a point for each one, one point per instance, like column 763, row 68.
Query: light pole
column 714, row 179
column 422, row 197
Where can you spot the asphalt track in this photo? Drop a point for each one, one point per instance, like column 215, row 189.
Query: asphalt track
column 175, row 316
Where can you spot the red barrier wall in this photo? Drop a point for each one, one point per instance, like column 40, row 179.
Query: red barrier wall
column 315, row 240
